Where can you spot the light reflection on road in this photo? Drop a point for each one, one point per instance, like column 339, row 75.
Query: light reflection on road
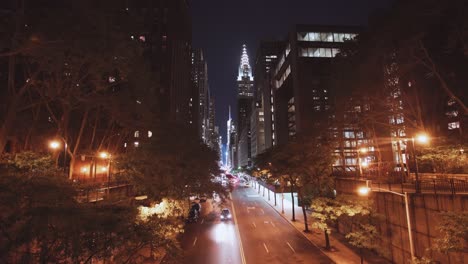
column 223, row 233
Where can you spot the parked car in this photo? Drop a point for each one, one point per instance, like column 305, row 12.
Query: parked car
column 193, row 216
column 225, row 214
column 196, row 207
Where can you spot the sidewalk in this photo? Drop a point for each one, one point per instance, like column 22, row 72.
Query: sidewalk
column 340, row 252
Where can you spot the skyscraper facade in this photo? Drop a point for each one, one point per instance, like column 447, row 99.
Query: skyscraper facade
column 262, row 118
column 245, row 98
column 200, row 80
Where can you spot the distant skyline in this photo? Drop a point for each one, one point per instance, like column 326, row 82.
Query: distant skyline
column 220, row 28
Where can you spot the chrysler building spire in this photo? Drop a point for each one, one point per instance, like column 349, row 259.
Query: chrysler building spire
column 245, row 71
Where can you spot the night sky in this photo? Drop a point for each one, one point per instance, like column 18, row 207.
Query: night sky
column 220, row 27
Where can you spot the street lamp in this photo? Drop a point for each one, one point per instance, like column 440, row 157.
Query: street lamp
column 55, row 145
column 364, row 191
column 360, row 164
column 421, row 138
column 106, row 155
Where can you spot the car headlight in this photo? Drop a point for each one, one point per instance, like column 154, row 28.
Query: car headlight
column 229, row 215
column 222, row 216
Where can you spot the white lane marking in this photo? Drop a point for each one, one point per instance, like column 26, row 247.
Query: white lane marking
column 253, row 223
column 266, row 249
column 195, row 241
column 263, row 212
column 202, row 221
column 272, row 224
column 294, row 251
column 241, row 249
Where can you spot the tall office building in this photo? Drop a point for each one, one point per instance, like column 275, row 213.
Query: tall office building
column 245, row 98
column 262, row 117
column 231, row 143
column 166, row 35
column 302, row 78
column 200, row 80
column 303, row 95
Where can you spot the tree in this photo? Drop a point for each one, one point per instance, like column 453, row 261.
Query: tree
column 326, row 211
column 304, row 164
column 364, row 233
column 366, row 237
column 173, row 163
column 82, row 80
column 41, row 221
column 453, row 229
column 446, row 158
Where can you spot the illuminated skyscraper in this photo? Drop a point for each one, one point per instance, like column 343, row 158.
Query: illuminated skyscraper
column 245, row 97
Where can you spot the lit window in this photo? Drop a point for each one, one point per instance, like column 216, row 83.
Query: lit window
column 452, row 114
column 136, row 144
column 125, row 145
column 137, row 134
column 150, row 134
column 453, row 125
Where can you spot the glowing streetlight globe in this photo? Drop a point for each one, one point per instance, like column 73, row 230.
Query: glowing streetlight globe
column 363, row 191
column 365, row 164
column 54, row 144
column 104, row 155
column 422, row 138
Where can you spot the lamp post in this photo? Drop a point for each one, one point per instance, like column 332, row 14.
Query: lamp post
column 423, row 139
column 364, row 191
column 360, row 164
column 55, row 145
column 106, row 155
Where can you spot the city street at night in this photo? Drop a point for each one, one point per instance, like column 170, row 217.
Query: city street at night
column 233, row 131
column 266, row 237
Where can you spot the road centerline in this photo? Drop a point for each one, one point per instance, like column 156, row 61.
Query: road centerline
column 195, row 241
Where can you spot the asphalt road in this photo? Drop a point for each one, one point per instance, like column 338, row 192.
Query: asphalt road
column 257, row 234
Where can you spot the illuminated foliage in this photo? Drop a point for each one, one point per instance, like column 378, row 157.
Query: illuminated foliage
column 326, row 211
column 42, row 222
column 453, row 229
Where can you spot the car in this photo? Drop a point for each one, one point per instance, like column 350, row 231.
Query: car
column 196, row 207
column 225, row 214
column 193, row 216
